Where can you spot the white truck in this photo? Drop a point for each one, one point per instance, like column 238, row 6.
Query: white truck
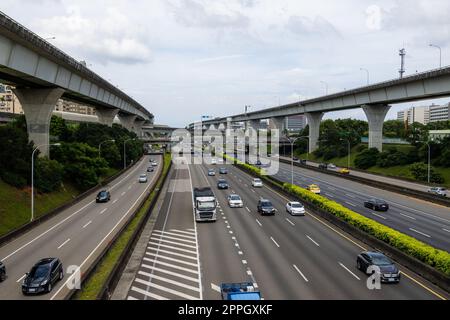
column 205, row 204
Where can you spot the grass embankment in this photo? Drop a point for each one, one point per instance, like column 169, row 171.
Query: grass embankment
column 15, row 204
column 396, row 171
column 93, row 286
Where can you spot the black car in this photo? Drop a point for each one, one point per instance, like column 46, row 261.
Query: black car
column 43, row 276
column 222, row 184
column 103, row 196
column 323, row 166
column 265, row 207
column 150, row 169
column 377, row 205
column 223, row 171
column 2, row 272
column 388, row 270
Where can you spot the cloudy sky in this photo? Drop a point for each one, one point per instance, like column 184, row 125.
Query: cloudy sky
column 186, row 58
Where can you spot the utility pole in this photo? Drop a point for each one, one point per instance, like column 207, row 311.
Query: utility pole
column 402, row 54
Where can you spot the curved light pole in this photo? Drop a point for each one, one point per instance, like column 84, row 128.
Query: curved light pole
column 429, row 161
column 349, row 151
column 440, row 53
column 100, row 147
column 32, row 175
column 292, row 142
column 125, row 152
column 368, row 74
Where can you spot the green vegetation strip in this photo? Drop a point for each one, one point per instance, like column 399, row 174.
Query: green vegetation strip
column 93, row 286
column 438, row 259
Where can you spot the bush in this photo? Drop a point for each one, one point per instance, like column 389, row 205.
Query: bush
column 419, row 171
column 361, row 148
column 13, row 179
column 367, row 158
column 48, row 175
column 392, row 158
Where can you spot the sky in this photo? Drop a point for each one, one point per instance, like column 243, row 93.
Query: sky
column 183, row 59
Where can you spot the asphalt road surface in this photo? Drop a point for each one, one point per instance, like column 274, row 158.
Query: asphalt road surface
column 76, row 236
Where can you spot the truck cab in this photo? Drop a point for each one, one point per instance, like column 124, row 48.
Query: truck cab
column 205, row 204
column 239, row 291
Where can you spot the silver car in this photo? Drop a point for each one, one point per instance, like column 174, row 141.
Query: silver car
column 295, row 209
column 438, row 191
column 143, row 178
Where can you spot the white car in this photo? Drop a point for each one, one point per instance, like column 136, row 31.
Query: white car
column 211, row 173
column 143, row 178
column 438, row 191
column 154, row 164
column 235, row 201
column 257, row 183
column 295, row 209
column 213, row 161
column 332, row 166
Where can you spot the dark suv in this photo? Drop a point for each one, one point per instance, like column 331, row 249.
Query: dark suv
column 377, row 205
column 103, row 196
column 265, row 207
column 2, row 272
column 43, row 276
column 389, row 272
column 222, row 184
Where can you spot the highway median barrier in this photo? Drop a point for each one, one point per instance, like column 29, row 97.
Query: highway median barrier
column 100, row 280
column 431, row 263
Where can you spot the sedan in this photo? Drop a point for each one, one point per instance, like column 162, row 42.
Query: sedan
column 235, row 201
column 154, row 164
column 222, row 184
column 314, row 188
column 2, row 272
column 43, row 276
column 295, row 209
column 103, row 196
column 265, row 207
column 223, row 171
column 377, row 205
column 257, row 183
column 211, row 172
column 388, row 270
column 143, row 178
column 344, row 171
column 150, row 169
column 438, row 191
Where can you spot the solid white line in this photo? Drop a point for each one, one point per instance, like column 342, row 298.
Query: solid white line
column 409, row 217
column 259, row 222
column 155, row 261
column 185, row 232
column 298, row 270
column 174, row 292
column 173, row 253
column 350, row 195
column 62, row 245
column 342, row 265
column 379, row 216
column 172, row 242
column 156, row 244
column 175, row 274
column 146, row 293
column 313, row 241
column 275, row 242
column 329, row 195
column 171, row 259
column 173, row 238
column 416, row 231
column 176, row 283
column 446, row 230
column 23, row 277
column 130, row 298
column 84, row 227
column 103, row 211
column 293, row 224
column 351, row 204
column 174, row 234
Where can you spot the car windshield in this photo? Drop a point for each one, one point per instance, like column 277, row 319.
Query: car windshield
column 222, row 181
column 235, row 198
column 39, row 272
column 266, row 204
column 257, row 180
column 102, row 194
column 296, row 205
column 380, row 260
column 206, row 205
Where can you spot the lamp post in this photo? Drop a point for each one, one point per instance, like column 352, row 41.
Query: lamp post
column 440, row 53
column 429, row 162
column 326, row 86
column 32, row 175
column 368, row 74
column 349, row 151
column 125, row 152
column 292, row 154
column 100, row 146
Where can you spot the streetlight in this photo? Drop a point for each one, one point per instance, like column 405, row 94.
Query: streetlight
column 292, row 154
column 125, row 152
column 429, row 161
column 100, row 146
column 32, row 175
column 368, row 74
column 440, row 53
column 326, row 86
column 349, row 151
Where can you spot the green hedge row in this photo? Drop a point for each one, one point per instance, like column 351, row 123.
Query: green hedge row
column 438, row 259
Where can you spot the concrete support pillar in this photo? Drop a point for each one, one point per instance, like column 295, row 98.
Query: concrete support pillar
column 279, row 123
column 254, row 124
column 138, row 124
column 229, row 124
column 38, row 106
column 106, row 116
column 314, row 120
column 376, row 114
column 212, row 127
column 127, row 121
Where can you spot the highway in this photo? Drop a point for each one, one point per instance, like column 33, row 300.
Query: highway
column 76, row 236
column 420, row 219
column 287, row 258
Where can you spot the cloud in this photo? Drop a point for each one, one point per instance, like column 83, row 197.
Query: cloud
column 110, row 38
column 220, row 58
column 374, row 17
column 309, row 27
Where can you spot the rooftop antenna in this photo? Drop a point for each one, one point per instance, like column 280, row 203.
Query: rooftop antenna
column 402, row 65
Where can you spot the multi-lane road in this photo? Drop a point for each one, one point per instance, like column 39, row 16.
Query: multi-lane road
column 286, row 257
column 76, row 236
column 420, row 219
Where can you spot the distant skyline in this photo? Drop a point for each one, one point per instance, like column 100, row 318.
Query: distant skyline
column 182, row 59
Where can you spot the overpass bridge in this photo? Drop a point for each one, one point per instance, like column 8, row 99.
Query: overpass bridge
column 42, row 74
column 374, row 99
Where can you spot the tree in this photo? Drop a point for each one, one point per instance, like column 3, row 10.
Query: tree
column 367, row 158
column 420, row 172
column 48, row 175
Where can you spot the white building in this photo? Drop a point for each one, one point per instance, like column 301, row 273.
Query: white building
column 439, row 113
column 415, row 114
